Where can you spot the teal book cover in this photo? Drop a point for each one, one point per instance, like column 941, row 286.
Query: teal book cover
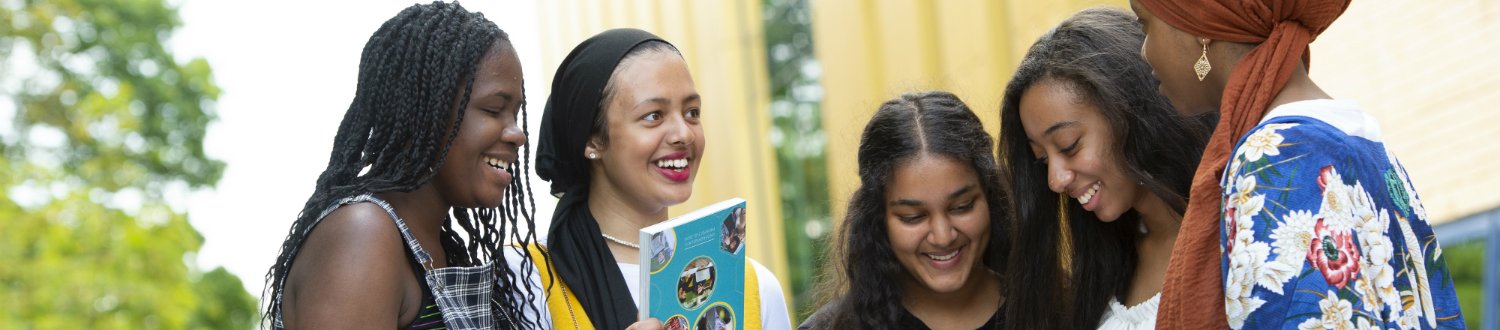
column 693, row 268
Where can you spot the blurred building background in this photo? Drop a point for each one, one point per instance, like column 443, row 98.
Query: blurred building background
column 96, row 140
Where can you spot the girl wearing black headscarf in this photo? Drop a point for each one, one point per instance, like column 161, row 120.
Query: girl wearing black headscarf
column 620, row 142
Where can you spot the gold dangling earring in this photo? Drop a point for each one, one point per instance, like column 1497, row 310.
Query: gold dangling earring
column 1202, row 66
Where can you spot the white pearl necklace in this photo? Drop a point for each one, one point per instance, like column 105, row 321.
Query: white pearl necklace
column 622, row 242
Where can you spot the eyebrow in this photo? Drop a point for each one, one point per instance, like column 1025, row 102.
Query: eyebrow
column 913, row 202
column 1059, row 126
column 665, row 101
column 507, row 96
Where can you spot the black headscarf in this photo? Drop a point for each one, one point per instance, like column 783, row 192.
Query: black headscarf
column 580, row 256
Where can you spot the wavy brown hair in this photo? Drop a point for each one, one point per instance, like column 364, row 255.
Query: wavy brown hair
column 862, row 274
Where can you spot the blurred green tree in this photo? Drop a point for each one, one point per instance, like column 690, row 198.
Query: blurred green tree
column 1466, row 264
column 99, row 126
column 797, row 133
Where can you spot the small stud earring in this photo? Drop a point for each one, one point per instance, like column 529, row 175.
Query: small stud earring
column 592, row 155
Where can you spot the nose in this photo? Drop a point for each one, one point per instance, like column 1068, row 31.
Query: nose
column 941, row 232
column 513, row 134
column 1058, row 176
column 680, row 131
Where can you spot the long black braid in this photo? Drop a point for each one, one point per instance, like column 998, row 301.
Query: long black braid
column 410, row 71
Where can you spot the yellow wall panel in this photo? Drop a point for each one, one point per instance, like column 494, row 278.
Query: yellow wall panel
column 872, row 51
column 1429, row 77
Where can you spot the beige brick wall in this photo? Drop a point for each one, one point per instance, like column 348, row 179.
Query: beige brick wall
column 1430, row 71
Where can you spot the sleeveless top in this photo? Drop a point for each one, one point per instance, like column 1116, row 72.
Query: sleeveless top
column 1121, row 317
column 452, row 297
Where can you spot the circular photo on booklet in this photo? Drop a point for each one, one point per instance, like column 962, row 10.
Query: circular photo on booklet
column 677, row 322
column 662, row 245
column 732, row 233
column 716, row 317
column 696, row 283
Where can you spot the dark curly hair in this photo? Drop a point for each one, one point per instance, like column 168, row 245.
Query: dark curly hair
column 1096, row 54
column 411, row 72
column 863, row 271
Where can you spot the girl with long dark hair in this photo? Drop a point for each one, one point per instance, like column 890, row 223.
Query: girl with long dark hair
column 405, row 226
column 1101, row 165
column 924, row 241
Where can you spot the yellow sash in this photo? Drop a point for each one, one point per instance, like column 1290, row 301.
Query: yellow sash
column 578, row 320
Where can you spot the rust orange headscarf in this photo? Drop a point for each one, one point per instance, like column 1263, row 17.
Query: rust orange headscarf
column 1193, row 294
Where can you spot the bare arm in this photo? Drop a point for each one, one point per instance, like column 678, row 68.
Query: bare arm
column 351, row 273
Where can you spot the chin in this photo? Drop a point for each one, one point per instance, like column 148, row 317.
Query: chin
column 1108, row 217
column 493, row 203
column 677, row 196
column 485, row 201
column 946, row 285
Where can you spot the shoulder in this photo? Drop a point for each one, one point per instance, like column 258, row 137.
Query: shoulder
column 363, row 229
column 763, row 274
column 355, row 253
column 770, row 286
column 1323, row 125
column 528, row 281
column 528, row 277
column 820, row 319
column 1289, row 132
column 774, row 310
column 1291, row 142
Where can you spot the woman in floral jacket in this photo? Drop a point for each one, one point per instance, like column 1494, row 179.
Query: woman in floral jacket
column 1316, row 223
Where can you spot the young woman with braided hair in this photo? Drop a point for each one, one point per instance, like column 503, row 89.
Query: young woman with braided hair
column 423, row 188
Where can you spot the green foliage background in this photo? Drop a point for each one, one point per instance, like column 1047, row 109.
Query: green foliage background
column 1466, row 264
column 102, row 125
column 797, row 133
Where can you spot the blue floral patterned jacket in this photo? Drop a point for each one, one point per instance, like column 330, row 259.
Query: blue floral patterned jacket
column 1323, row 230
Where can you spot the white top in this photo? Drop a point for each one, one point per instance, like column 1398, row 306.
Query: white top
column 1140, row 316
column 773, row 309
column 1342, row 114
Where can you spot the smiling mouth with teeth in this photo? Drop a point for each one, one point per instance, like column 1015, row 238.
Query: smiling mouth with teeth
column 673, row 164
column 497, row 163
column 945, row 257
column 1089, row 195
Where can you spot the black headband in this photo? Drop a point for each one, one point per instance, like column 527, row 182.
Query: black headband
column 577, row 88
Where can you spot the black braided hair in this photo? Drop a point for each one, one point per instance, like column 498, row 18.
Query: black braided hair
column 392, row 139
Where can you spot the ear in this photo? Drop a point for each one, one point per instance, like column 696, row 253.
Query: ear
column 594, row 149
